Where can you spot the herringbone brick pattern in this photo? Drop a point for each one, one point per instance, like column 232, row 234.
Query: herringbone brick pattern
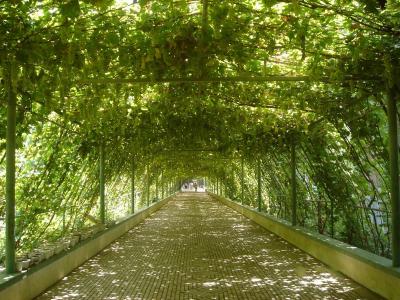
column 196, row 248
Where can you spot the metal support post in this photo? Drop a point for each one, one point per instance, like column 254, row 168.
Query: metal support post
column 259, row 195
column 10, row 175
column 242, row 180
column 162, row 185
column 133, row 187
column 157, row 188
column 102, row 184
column 148, row 186
column 394, row 175
column 293, row 182
column 332, row 218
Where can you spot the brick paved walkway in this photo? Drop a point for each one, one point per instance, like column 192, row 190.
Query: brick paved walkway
column 196, row 248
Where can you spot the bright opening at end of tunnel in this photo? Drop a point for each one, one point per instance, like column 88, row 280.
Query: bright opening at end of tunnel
column 194, row 185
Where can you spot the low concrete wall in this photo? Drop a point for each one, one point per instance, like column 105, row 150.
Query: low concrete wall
column 39, row 278
column 370, row 270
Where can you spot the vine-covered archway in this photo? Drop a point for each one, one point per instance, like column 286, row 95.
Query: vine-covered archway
column 290, row 106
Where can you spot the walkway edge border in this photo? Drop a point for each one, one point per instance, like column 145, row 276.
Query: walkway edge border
column 28, row 285
column 370, row 270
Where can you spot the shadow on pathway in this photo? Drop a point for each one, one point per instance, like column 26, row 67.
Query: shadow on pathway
column 197, row 248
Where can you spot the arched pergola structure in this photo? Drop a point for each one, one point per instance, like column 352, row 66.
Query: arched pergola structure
column 291, row 106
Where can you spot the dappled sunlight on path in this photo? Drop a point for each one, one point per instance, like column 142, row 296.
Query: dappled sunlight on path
column 196, row 248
